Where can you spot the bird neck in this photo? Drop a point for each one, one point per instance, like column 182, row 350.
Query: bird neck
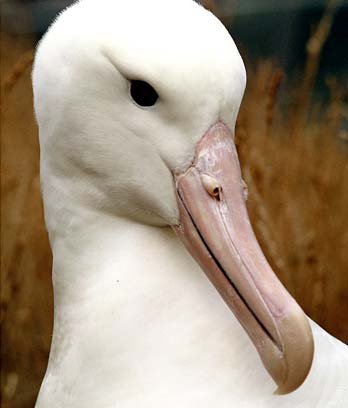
column 130, row 300
column 137, row 323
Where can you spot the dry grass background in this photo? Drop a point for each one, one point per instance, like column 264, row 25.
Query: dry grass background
column 298, row 201
column 26, row 294
column 294, row 159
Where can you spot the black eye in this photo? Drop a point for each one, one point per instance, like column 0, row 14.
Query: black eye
column 143, row 93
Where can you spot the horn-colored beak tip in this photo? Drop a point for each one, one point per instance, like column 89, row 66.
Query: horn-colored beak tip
column 298, row 351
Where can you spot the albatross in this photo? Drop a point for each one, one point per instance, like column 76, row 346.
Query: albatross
column 144, row 202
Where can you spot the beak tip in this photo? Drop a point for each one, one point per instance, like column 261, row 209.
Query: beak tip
column 282, row 391
column 298, row 354
column 279, row 391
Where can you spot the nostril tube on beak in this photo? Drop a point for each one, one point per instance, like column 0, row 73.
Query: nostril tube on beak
column 211, row 185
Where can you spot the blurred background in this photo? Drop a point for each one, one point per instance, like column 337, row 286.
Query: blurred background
column 292, row 137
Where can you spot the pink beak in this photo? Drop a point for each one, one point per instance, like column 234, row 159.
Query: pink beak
column 215, row 227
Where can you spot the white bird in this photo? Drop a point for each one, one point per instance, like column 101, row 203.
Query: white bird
column 136, row 103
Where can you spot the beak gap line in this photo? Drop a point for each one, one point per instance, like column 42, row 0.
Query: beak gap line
column 227, row 277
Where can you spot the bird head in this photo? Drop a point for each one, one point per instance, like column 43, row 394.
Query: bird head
column 136, row 104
